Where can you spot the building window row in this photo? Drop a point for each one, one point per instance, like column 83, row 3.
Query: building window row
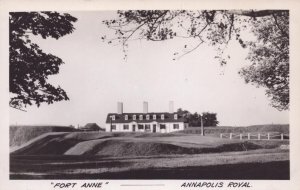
column 162, row 117
column 141, row 117
column 147, row 127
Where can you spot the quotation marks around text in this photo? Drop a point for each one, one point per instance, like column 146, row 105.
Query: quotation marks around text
column 82, row 185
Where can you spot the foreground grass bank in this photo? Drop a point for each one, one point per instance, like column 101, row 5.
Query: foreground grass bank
column 255, row 164
column 94, row 155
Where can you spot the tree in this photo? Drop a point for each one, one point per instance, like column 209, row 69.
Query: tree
column 210, row 119
column 29, row 66
column 186, row 114
column 268, row 51
column 194, row 120
column 270, row 58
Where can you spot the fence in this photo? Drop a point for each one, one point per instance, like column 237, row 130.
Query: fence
column 255, row 136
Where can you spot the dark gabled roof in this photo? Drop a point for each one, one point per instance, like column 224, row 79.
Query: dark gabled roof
column 91, row 126
column 168, row 117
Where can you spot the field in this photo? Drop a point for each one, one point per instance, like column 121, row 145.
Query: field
column 216, row 131
column 100, row 155
column 23, row 133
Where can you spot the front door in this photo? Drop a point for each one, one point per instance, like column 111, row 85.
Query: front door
column 133, row 128
column 154, row 128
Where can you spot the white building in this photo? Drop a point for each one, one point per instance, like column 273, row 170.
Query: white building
column 155, row 122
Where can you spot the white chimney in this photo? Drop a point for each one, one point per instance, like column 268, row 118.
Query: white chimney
column 120, row 107
column 171, row 107
column 145, row 107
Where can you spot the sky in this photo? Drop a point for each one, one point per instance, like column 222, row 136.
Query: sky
column 96, row 77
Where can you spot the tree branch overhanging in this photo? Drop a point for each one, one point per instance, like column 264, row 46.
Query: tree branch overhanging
column 217, row 28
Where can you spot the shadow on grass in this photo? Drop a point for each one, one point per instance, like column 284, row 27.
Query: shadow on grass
column 57, row 164
column 278, row 170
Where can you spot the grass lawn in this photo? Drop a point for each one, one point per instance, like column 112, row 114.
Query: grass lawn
column 176, row 166
column 94, row 155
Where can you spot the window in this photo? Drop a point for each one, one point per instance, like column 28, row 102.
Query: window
column 162, row 116
column 113, row 127
column 134, row 117
column 141, row 117
column 147, row 117
column 175, row 126
column 162, row 126
column 147, row 127
column 126, row 127
column 140, row 126
column 113, row 117
column 175, row 116
column 154, row 116
column 126, row 117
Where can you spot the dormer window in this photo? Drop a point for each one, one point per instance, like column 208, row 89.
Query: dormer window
column 113, row 117
column 134, row 117
column 147, row 117
column 175, row 116
column 162, row 116
column 126, row 117
column 141, row 117
column 154, row 116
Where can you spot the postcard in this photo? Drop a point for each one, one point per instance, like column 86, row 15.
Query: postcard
column 149, row 94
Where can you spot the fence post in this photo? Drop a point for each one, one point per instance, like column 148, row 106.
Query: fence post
column 230, row 135
column 268, row 136
column 248, row 136
column 241, row 136
column 221, row 135
column 258, row 136
column 281, row 136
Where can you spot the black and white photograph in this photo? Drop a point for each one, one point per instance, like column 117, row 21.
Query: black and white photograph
column 136, row 95
column 149, row 94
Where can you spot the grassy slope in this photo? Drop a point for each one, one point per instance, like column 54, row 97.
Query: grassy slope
column 94, row 155
column 133, row 144
column 55, row 143
column 21, row 134
column 215, row 131
column 79, row 167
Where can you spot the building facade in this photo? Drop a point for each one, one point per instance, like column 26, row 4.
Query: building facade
column 155, row 122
